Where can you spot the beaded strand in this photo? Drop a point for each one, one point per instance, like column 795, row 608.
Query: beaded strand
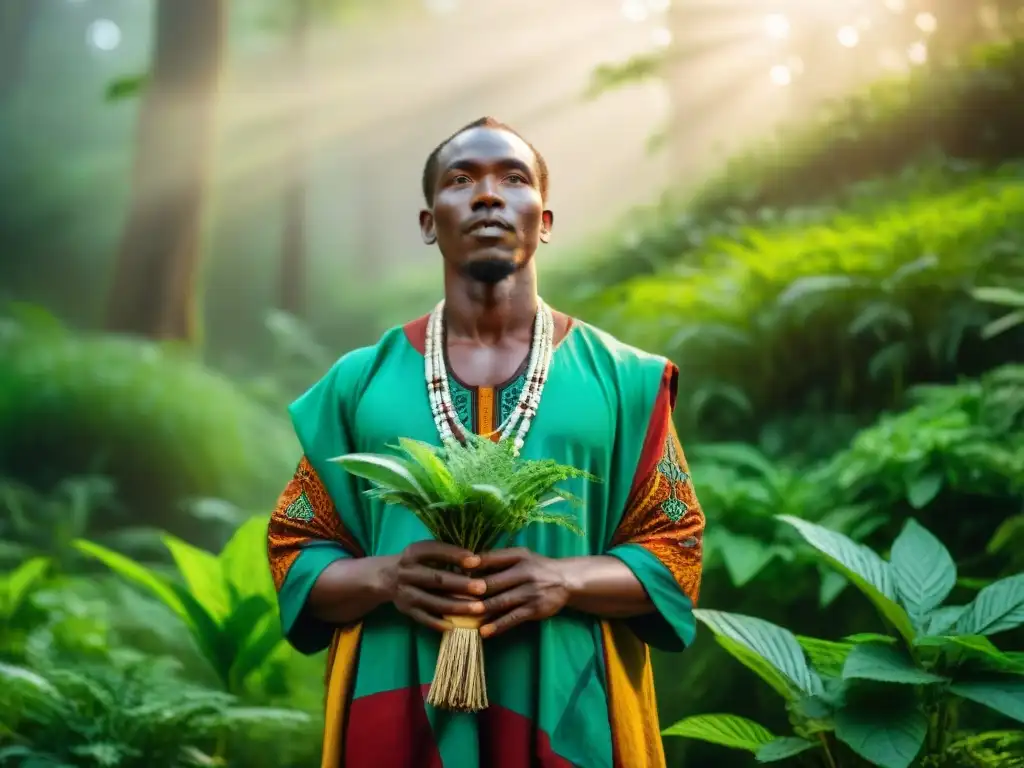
column 519, row 420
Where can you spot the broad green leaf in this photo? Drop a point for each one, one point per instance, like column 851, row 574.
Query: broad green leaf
column 784, row 748
column 885, row 664
column 861, row 560
column 868, row 572
column 888, row 737
column 1009, row 531
column 206, row 632
column 202, row 575
column 258, row 648
column 776, row 645
column 1005, row 695
column 243, row 561
column 724, row 730
column 832, row 585
column 138, row 574
column 923, row 489
column 385, row 471
column 870, row 637
column 974, row 648
column 942, row 619
column 744, row 556
column 757, row 664
column 997, row 608
column 244, row 618
column 924, row 570
column 433, row 468
column 19, row 583
column 827, row 657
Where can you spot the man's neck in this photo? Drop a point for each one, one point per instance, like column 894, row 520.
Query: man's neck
column 487, row 314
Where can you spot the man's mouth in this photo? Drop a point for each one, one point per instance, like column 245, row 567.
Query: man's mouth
column 490, row 226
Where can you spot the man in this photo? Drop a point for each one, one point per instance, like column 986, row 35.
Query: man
column 568, row 619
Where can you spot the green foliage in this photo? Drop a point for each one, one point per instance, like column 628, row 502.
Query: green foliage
column 162, row 426
column 836, row 315
column 890, row 699
column 128, row 711
column 475, row 494
column 880, row 130
column 228, row 606
column 967, row 437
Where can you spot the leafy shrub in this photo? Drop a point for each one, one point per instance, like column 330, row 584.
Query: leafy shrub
column 891, row 699
column 838, row 316
column 127, row 711
column 967, row 108
column 161, row 425
column 227, row 602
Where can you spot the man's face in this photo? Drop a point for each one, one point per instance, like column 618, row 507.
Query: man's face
column 488, row 215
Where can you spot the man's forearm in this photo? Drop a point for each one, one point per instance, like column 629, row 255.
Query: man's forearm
column 350, row 588
column 604, row 586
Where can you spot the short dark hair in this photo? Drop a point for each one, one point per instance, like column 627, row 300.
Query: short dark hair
column 430, row 167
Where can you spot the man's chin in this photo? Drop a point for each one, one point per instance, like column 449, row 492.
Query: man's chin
column 489, row 270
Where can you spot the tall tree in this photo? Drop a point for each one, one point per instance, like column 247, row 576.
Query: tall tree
column 157, row 269
column 17, row 20
column 294, row 244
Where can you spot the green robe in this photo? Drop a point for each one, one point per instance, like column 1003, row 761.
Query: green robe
column 569, row 691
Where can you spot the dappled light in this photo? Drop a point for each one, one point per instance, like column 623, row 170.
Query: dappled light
column 808, row 215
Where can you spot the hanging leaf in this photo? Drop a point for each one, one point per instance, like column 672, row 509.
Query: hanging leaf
column 382, row 470
column 890, row 737
column 781, row 684
column 784, row 748
column 997, row 608
column 923, row 489
column 827, row 657
column 776, row 645
column 924, row 570
column 724, row 730
column 885, row 664
column 1005, row 695
column 202, row 574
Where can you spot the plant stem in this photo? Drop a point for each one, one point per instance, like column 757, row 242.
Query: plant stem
column 828, row 753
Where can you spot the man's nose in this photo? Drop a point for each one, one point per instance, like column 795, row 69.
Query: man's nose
column 486, row 195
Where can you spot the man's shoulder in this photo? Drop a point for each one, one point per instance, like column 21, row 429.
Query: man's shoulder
column 357, row 363
column 616, row 351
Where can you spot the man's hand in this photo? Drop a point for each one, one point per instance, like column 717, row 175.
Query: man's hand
column 424, row 592
column 522, row 586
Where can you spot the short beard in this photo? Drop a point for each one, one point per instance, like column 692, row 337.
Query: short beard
column 489, row 271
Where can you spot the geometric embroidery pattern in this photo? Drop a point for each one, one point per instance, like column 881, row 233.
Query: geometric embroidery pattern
column 304, row 514
column 670, row 469
column 300, row 509
column 664, row 516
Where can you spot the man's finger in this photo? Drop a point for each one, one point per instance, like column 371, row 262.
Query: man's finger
column 500, row 559
column 438, row 552
column 442, row 581
column 505, row 623
column 506, row 601
column 501, row 581
column 441, row 606
column 427, row 620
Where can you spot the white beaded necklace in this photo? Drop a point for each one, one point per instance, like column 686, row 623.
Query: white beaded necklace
column 439, row 393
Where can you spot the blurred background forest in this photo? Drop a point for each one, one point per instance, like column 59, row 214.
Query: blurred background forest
column 816, row 209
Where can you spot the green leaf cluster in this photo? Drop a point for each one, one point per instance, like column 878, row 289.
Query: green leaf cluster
column 891, row 699
column 474, row 494
column 129, row 711
column 227, row 601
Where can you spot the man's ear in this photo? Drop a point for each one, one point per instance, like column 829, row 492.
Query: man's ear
column 547, row 222
column 427, row 227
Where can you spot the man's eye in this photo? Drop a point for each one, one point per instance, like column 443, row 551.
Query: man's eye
column 461, row 179
column 515, row 178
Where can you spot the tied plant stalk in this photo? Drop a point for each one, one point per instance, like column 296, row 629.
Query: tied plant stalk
column 475, row 495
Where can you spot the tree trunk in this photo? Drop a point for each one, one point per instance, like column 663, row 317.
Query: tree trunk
column 294, row 243
column 17, row 20
column 157, row 270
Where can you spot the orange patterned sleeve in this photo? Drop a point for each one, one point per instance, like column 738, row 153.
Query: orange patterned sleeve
column 663, row 514
column 304, row 514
